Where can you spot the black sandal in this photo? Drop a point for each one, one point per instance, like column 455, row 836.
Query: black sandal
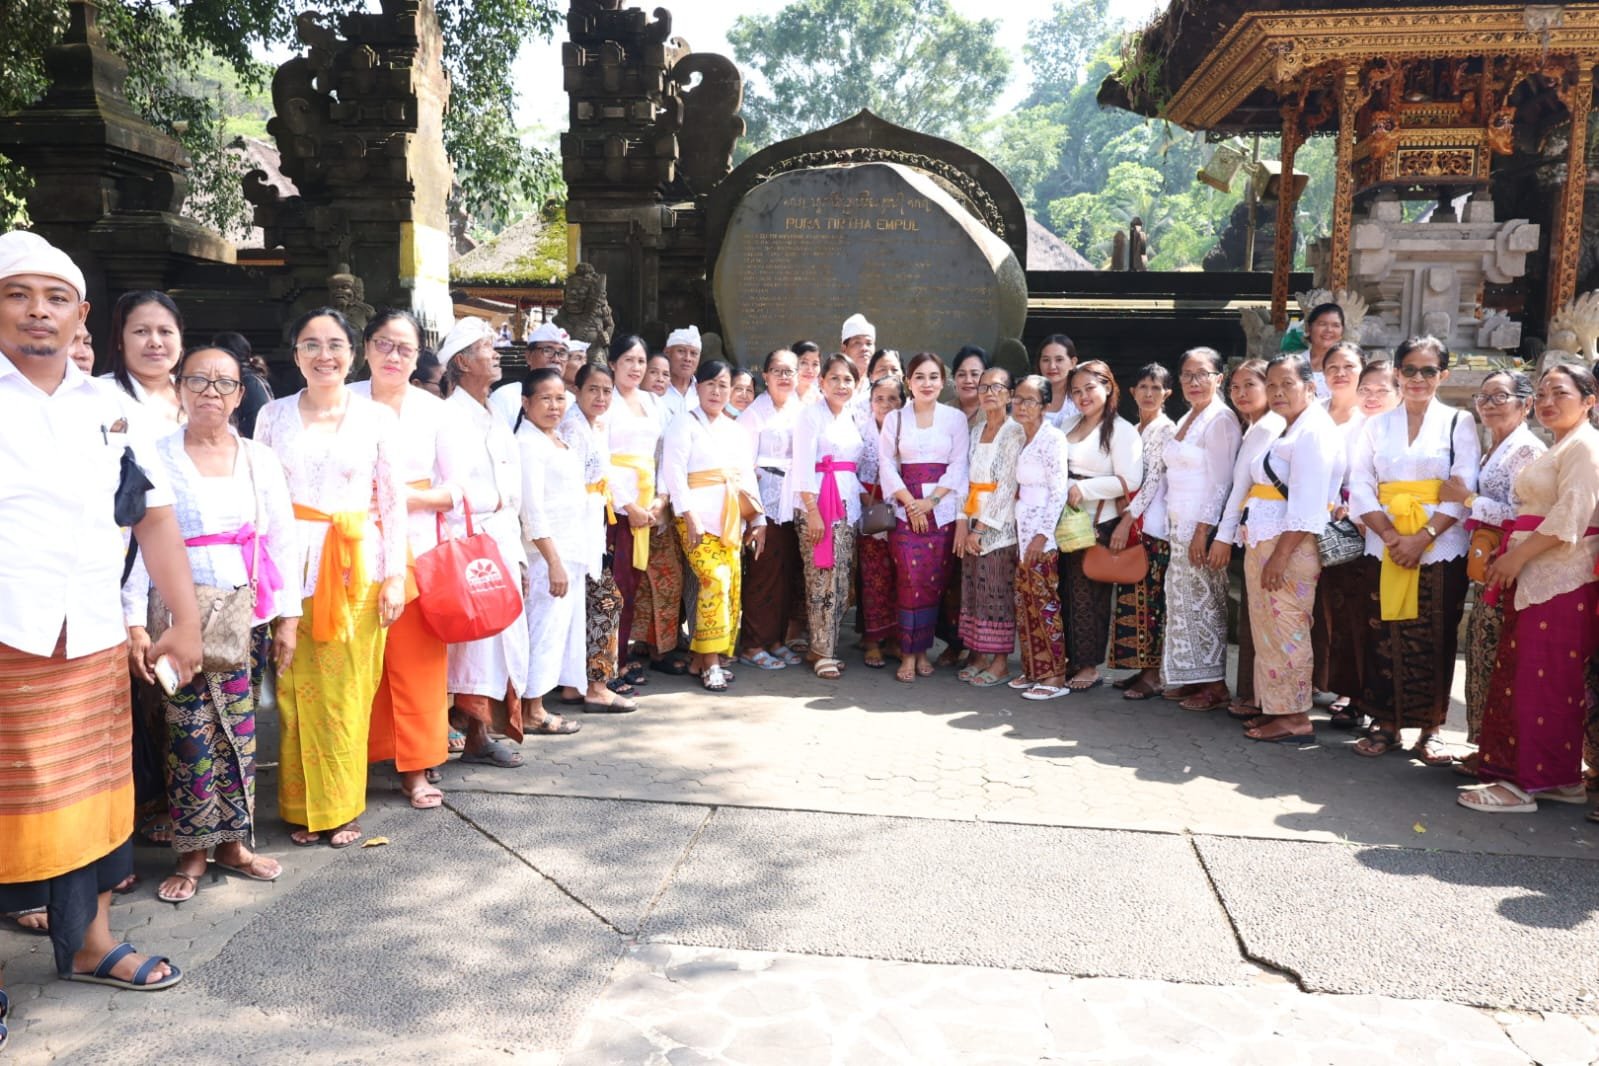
column 635, row 674
column 674, row 665
column 620, row 686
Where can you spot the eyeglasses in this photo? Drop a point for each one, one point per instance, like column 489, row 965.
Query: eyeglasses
column 781, row 372
column 316, row 348
column 1428, row 372
column 197, row 384
column 1494, row 399
column 992, row 387
column 385, row 346
column 548, row 349
column 1198, row 377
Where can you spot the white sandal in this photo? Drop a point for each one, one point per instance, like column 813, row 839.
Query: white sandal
column 828, row 669
column 1500, row 797
column 714, row 679
column 1039, row 693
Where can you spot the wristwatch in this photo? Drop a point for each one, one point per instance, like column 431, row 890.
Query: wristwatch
column 1431, row 532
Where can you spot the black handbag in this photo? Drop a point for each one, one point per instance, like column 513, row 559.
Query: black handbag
column 1339, row 541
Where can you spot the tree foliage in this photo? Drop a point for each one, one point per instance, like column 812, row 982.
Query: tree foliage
column 190, row 61
column 917, row 63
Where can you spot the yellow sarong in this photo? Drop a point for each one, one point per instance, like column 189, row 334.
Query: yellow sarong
column 1405, row 502
column 645, row 469
column 341, row 554
column 731, row 516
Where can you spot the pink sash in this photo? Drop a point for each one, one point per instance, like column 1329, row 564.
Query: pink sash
column 245, row 537
column 830, row 504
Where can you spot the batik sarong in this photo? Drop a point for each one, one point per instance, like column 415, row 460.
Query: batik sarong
column 1244, row 683
column 658, row 610
column 1195, row 645
column 827, row 591
column 1411, row 666
column 768, row 587
column 988, row 602
column 1140, row 614
column 601, row 613
column 210, row 755
column 1280, row 622
column 1483, row 630
column 1341, row 629
column 716, row 608
column 1085, row 605
column 325, row 709
column 1038, row 617
column 1539, row 699
column 878, row 581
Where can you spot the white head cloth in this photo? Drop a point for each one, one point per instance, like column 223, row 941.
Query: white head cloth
column 857, row 326
column 689, row 336
column 577, row 346
column 22, row 252
column 548, row 333
column 465, row 333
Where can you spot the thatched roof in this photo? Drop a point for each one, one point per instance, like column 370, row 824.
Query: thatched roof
column 1045, row 251
column 530, row 251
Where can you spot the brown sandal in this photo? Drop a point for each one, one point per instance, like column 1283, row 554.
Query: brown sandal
column 1376, row 743
column 1212, row 697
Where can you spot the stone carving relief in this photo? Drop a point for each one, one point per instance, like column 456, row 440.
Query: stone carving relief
column 711, row 121
column 585, row 312
column 1574, row 332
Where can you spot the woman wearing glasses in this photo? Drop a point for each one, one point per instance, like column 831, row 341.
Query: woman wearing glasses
column 1415, row 564
column 410, row 711
column 1503, row 404
column 1040, row 496
column 988, row 551
column 342, row 457
column 233, row 506
column 1539, row 698
column 771, row 591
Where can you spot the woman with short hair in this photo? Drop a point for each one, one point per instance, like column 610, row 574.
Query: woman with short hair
column 988, row 552
column 808, row 366
column 923, row 456
column 233, row 507
column 1293, row 484
column 1140, row 608
column 342, row 458
column 1041, row 482
column 1539, row 699
column 146, row 343
column 710, row 476
column 1415, row 564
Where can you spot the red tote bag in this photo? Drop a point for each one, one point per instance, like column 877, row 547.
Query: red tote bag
column 464, row 589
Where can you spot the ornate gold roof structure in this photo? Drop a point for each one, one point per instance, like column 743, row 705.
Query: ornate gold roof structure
column 1421, row 97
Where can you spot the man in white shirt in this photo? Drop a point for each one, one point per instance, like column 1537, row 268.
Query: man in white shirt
column 67, row 824
column 546, row 346
column 858, row 340
column 683, row 353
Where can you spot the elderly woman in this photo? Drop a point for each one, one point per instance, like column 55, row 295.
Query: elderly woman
column 770, row 600
column 988, row 552
column 1105, row 464
column 1293, row 484
column 583, row 428
column 556, row 534
column 342, row 457
column 1041, row 486
column 1342, row 612
column 966, row 371
column 878, row 577
column 233, row 508
column 1198, row 470
column 410, row 712
column 642, row 560
column 1502, row 402
column 489, row 676
column 1415, row 564
column 1246, row 390
column 710, row 476
column 1539, row 698
column 1140, row 609
column 826, row 492
column 923, row 455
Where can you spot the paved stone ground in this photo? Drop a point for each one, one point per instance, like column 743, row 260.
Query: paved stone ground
column 868, row 872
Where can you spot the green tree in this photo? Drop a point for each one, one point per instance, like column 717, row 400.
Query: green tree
column 1061, row 47
column 176, row 52
column 917, row 63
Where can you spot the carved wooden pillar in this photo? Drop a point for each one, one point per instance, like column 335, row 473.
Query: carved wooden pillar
column 1287, row 200
column 1567, row 243
column 1349, row 102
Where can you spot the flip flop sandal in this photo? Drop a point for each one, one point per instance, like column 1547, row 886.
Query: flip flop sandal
column 1199, row 702
column 1098, row 681
column 315, row 839
column 1040, row 693
column 352, row 826
column 1021, row 682
column 762, row 660
column 616, row 706
column 966, row 673
column 827, row 669
column 456, row 742
column 1501, row 797
column 786, row 655
column 248, row 869
column 420, row 796
column 13, row 919
column 874, row 664
column 498, row 753
column 179, row 896
column 676, row 667
column 1255, row 734
column 618, row 686
column 1139, row 690
column 101, row 974
column 987, row 679
column 126, row 885
column 432, row 775
column 1376, row 743
column 562, row 727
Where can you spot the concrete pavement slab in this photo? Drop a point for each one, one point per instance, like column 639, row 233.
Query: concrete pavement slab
column 1033, row 897
column 1493, row 930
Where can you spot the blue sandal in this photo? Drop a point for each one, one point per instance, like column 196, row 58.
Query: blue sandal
column 102, row 973
column 5, row 1009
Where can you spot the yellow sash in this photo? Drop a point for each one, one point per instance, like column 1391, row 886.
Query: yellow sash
column 1264, row 492
column 704, row 479
column 341, row 552
column 973, row 494
column 1404, row 501
column 603, row 488
column 645, row 469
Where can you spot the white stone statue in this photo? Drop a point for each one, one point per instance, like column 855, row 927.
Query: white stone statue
column 1574, row 332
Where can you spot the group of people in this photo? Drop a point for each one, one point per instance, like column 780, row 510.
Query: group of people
column 662, row 513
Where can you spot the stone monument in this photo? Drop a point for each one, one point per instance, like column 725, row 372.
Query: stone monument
column 585, row 312
column 809, row 247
